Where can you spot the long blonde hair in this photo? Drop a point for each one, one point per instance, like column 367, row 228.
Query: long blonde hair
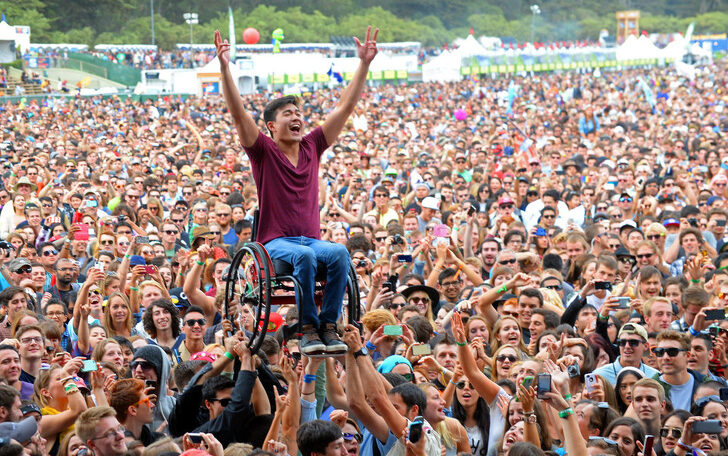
column 41, row 382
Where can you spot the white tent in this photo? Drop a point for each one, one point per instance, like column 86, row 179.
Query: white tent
column 443, row 68
column 7, row 43
column 470, row 47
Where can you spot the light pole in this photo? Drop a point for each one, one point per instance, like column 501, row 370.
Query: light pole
column 151, row 3
column 192, row 19
column 535, row 10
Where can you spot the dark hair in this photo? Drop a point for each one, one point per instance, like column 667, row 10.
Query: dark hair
column 411, row 396
column 271, row 109
column 214, row 384
column 421, row 328
column 600, row 417
column 195, row 309
column 184, row 372
column 532, row 293
column 638, row 432
column 314, row 436
column 148, row 321
column 7, row 294
column 395, row 379
column 550, row 318
column 553, row 261
column 525, row 449
column 7, row 396
column 481, row 415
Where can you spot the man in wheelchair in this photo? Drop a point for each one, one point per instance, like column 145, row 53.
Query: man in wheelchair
column 285, row 167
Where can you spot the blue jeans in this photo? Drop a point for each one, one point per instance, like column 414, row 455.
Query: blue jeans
column 303, row 254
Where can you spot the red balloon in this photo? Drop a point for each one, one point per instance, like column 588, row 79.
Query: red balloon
column 251, row 35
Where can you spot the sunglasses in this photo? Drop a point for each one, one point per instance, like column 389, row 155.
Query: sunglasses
column 171, row 232
column 671, row 351
column 177, row 220
column 675, row 433
column 511, row 358
column 223, row 402
column 50, row 252
column 381, row 238
column 146, row 401
column 410, row 377
column 511, row 261
column 462, row 384
column 191, row 322
column 396, row 306
column 24, row 270
column 629, row 260
column 645, row 256
column 553, row 287
column 145, row 365
column 349, row 437
column 108, row 242
column 548, row 216
column 422, row 300
column 630, row 342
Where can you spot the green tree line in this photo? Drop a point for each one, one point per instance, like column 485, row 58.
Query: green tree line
column 432, row 22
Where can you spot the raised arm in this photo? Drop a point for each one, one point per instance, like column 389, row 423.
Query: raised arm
column 244, row 123
column 483, row 385
column 336, row 120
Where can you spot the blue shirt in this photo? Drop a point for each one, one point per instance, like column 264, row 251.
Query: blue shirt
column 610, row 371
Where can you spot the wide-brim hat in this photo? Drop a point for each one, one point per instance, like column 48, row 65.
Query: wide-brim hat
column 433, row 294
column 25, row 181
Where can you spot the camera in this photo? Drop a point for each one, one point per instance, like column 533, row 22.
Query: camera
column 361, row 264
column 397, row 239
column 693, row 222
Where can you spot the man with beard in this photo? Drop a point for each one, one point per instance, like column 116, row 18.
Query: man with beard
column 488, row 254
column 66, row 287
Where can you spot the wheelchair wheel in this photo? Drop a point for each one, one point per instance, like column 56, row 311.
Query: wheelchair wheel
column 249, row 277
column 353, row 304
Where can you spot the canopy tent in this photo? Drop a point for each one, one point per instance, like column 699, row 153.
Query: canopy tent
column 443, row 68
column 470, row 47
column 7, row 43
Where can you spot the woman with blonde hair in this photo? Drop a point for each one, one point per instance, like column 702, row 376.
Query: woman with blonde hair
column 60, row 400
column 108, row 351
column 503, row 359
column 507, row 331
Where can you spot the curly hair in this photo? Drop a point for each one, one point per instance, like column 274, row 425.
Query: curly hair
column 148, row 321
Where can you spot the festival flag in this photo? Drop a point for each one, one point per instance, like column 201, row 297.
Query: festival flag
column 231, row 31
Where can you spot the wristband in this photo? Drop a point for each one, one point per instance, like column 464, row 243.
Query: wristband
column 370, row 346
column 134, row 288
column 603, row 317
column 566, row 413
column 461, row 344
column 683, row 445
column 692, row 331
column 502, row 289
column 127, row 256
column 695, row 280
column 228, row 355
column 309, row 378
column 200, row 263
column 567, row 397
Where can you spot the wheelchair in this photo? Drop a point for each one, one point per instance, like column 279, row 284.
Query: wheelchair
column 264, row 282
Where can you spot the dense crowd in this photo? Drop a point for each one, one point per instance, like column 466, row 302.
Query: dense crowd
column 545, row 274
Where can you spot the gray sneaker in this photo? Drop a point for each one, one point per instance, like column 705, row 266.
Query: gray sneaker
column 311, row 343
column 329, row 336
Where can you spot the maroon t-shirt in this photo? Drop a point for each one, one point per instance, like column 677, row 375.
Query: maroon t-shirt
column 287, row 195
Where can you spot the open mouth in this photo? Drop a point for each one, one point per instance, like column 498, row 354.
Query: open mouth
column 295, row 127
column 510, row 439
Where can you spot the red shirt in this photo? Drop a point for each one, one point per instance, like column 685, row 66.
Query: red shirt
column 287, row 195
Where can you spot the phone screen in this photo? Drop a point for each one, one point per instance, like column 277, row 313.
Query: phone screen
column 543, row 385
column 82, row 233
column 392, row 330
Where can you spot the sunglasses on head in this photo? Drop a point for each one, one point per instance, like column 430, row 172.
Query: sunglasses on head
column 704, row 400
